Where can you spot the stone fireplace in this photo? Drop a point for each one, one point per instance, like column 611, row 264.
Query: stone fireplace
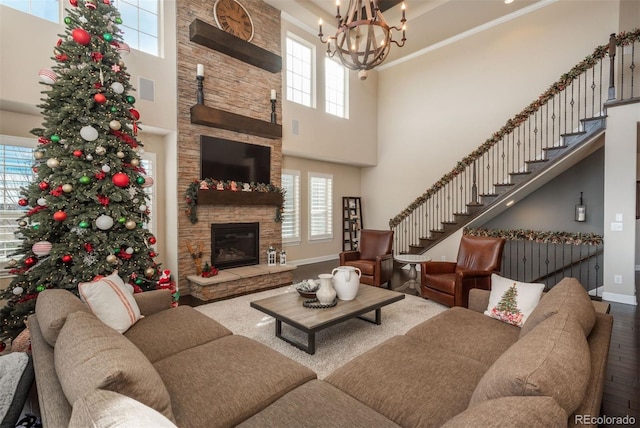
column 235, row 244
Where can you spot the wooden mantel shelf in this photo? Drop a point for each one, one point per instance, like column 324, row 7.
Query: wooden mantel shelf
column 212, row 37
column 209, row 116
column 227, row 197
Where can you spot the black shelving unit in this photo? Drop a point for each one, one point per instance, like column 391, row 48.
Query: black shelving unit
column 352, row 210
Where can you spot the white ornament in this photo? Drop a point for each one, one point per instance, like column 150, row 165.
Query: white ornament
column 117, row 87
column 18, row 290
column 89, row 157
column 42, row 202
column 106, row 168
column 120, row 155
column 115, row 125
column 142, row 207
column 38, row 155
column 111, row 258
column 47, row 76
column 67, row 188
column 89, row 133
column 129, row 250
column 41, row 248
column 53, row 163
column 100, row 150
column 148, row 181
column 135, row 162
column 104, row 222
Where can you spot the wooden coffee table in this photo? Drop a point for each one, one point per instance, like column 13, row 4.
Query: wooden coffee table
column 288, row 308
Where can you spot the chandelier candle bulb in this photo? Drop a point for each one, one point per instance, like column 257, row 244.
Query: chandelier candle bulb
column 273, row 94
column 200, row 70
column 338, row 9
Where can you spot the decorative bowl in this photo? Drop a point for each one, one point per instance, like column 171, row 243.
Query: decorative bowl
column 307, row 294
column 307, row 289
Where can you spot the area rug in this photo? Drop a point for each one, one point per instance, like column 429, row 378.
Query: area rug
column 335, row 345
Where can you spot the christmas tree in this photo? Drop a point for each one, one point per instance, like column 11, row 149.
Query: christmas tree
column 86, row 209
column 507, row 308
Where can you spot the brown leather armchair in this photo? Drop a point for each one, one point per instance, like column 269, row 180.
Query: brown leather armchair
column 374, row 258
column 449, row 282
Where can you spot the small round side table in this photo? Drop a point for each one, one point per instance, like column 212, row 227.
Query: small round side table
column 413, row 260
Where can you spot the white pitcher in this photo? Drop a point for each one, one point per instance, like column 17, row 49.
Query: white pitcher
column 346, row 281
column 326, row 293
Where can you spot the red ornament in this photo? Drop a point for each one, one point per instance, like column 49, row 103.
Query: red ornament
column 23, row 202
column 152, row 240
column 67, row 258
column 100, row 98
column 3, row 346
column 81, row 36
column 74, row 3
column 43, row 185
column 120, row 179
column 59, row 216
column 106, row 1
column 77, row 153
column 152, row 254
column 29, row 261
column 134, row 114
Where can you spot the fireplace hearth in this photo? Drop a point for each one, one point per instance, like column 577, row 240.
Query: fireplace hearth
column 235, row 244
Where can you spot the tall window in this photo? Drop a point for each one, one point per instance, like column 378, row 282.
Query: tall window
column 43, row 9
column 291, row 215
column 320, row 206
column 335, row 88
column 140, row 24
column 16, row 159
column 300, row 71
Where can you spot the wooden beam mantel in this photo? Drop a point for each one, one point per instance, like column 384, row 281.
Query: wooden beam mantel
column 209, row 116
column 212, row 37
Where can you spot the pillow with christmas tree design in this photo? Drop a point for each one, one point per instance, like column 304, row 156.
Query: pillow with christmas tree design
column 512, row 301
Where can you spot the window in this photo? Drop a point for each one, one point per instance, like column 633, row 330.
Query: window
column 43, row 9
column 291, row 214
column 148, row 163
column 335, row 88
column 16, row 159
column 300, row 71
column 140, row 24
column 320, row 206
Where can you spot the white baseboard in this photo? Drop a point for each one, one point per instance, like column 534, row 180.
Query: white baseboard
column 311, row 260
column 619, row 298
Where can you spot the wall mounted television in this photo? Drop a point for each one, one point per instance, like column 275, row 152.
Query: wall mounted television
column 222, row 159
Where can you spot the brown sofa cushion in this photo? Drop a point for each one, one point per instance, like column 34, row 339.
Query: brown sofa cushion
column 566, row 296
column 108, row 409
column 553, row 359
column 512, row 412
column 173, row 330
column 247, row 375
column 317, row 404
column 90, row 355
column 52, row 307
column 467, row 333
column 409, row 382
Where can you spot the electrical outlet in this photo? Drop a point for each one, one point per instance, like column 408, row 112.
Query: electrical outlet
column 443, row 258
column 617, row 279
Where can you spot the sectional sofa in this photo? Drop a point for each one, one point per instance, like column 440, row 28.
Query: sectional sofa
column 178, row 367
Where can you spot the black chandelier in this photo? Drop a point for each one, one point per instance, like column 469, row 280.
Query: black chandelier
column 364, row 38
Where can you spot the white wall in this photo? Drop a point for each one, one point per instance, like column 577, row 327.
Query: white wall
column 439, row 107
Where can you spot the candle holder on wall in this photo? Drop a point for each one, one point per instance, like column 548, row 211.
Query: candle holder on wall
column 581, row 211
column 200, row 92
column 273, row 111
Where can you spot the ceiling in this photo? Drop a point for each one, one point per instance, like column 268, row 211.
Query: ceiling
column 428, row 21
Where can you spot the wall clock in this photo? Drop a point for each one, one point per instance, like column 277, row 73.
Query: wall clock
column 232, row 17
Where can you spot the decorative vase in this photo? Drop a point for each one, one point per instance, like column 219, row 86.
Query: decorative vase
column 326, row 294
column 346, row 281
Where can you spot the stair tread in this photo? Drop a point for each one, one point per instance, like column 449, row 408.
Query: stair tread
column 520, row 173
column 571, row 134
column 503, row 184
column 555, row 148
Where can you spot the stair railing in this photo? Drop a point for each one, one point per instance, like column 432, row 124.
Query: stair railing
column 521, row 146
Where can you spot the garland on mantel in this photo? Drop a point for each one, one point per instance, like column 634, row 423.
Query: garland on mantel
column 191, row 194
column 622, row 39
column 567, row 238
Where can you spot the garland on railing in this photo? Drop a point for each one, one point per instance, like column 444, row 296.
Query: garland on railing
column 537, row 236
column 622, row 39
column 191, row 194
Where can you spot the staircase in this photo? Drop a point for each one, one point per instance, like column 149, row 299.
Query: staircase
column 570, row 115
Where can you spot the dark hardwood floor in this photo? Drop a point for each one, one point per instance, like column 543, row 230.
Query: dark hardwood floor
column 622, row 387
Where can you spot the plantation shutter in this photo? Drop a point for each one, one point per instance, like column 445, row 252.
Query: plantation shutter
column 291, row 214
column 320, row 206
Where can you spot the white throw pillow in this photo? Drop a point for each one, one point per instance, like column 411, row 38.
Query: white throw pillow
column 512, row 301
column 111, row 300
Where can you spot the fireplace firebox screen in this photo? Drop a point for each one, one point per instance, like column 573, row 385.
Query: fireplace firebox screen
column 235, row 244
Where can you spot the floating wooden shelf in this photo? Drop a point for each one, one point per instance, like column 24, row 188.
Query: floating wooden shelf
column 214, row 38
column 227, row 197
column 209, row 116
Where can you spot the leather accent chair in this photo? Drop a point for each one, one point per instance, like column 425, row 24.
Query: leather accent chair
column 374, row 257
column 449, row 282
